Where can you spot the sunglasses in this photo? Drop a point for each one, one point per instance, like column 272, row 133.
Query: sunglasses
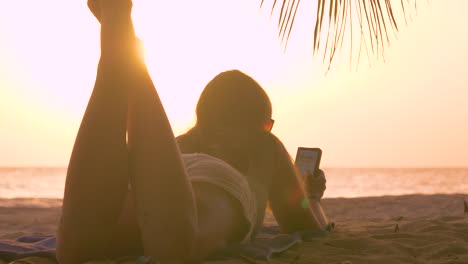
column 269, row 126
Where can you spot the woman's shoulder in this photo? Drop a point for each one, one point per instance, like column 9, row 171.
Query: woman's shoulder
column 188, row 142
column 274, row 148
column 274, row 159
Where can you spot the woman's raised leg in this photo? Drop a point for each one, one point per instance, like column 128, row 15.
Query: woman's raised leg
column 164, row 202
column 124, row 98
column 97, row 177
column 165, row 205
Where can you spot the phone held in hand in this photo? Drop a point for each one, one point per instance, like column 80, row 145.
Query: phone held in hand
column 308, row 162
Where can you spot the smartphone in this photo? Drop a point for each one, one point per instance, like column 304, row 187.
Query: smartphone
column 308, row 160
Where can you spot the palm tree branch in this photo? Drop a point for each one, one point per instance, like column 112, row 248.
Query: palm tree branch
column 375, row 13
column 285, row 21
column 318, row 25
column 291, row 25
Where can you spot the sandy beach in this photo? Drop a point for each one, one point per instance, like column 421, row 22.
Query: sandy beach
column 388, row 229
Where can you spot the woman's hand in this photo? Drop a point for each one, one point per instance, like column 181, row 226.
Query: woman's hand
column 315, row 185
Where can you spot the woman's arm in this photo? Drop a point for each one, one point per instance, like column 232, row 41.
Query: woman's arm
column 287, row 197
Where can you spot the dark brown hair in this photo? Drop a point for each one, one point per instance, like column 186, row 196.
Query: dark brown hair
column 233, row 98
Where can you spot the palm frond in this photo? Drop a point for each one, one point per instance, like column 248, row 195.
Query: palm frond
column 375, row 19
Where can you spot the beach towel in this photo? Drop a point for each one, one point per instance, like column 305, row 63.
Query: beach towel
column 268, row 242
column 28, row 246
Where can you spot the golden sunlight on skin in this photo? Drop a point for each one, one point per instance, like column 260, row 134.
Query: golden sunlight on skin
column 397, row 113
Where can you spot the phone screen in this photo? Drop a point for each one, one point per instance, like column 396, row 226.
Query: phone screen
column 308, row 160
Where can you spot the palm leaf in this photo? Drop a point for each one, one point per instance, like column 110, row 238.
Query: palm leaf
column 375, row 18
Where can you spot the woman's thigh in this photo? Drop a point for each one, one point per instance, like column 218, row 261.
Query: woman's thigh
column 83, row 240
column 220, row 222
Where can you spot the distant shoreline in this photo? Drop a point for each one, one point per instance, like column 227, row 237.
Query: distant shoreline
column 30, row 202
column 341, row 182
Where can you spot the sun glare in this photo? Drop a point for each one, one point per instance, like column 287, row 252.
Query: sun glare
column 141, row 50
column 185, row 49
column 49, row 53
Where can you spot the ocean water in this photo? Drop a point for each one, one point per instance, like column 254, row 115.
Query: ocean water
column 49, row 182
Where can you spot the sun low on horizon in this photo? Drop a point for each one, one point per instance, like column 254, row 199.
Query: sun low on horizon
column 387, row 115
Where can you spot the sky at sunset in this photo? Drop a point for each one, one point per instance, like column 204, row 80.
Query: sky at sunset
column 409, row 111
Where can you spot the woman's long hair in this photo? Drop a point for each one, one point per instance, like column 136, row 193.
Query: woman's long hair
column 233, row 99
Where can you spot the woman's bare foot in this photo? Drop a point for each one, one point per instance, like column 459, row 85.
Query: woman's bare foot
column 109, row 8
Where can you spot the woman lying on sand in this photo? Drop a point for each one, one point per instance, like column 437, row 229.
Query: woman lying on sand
column 180, row 207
